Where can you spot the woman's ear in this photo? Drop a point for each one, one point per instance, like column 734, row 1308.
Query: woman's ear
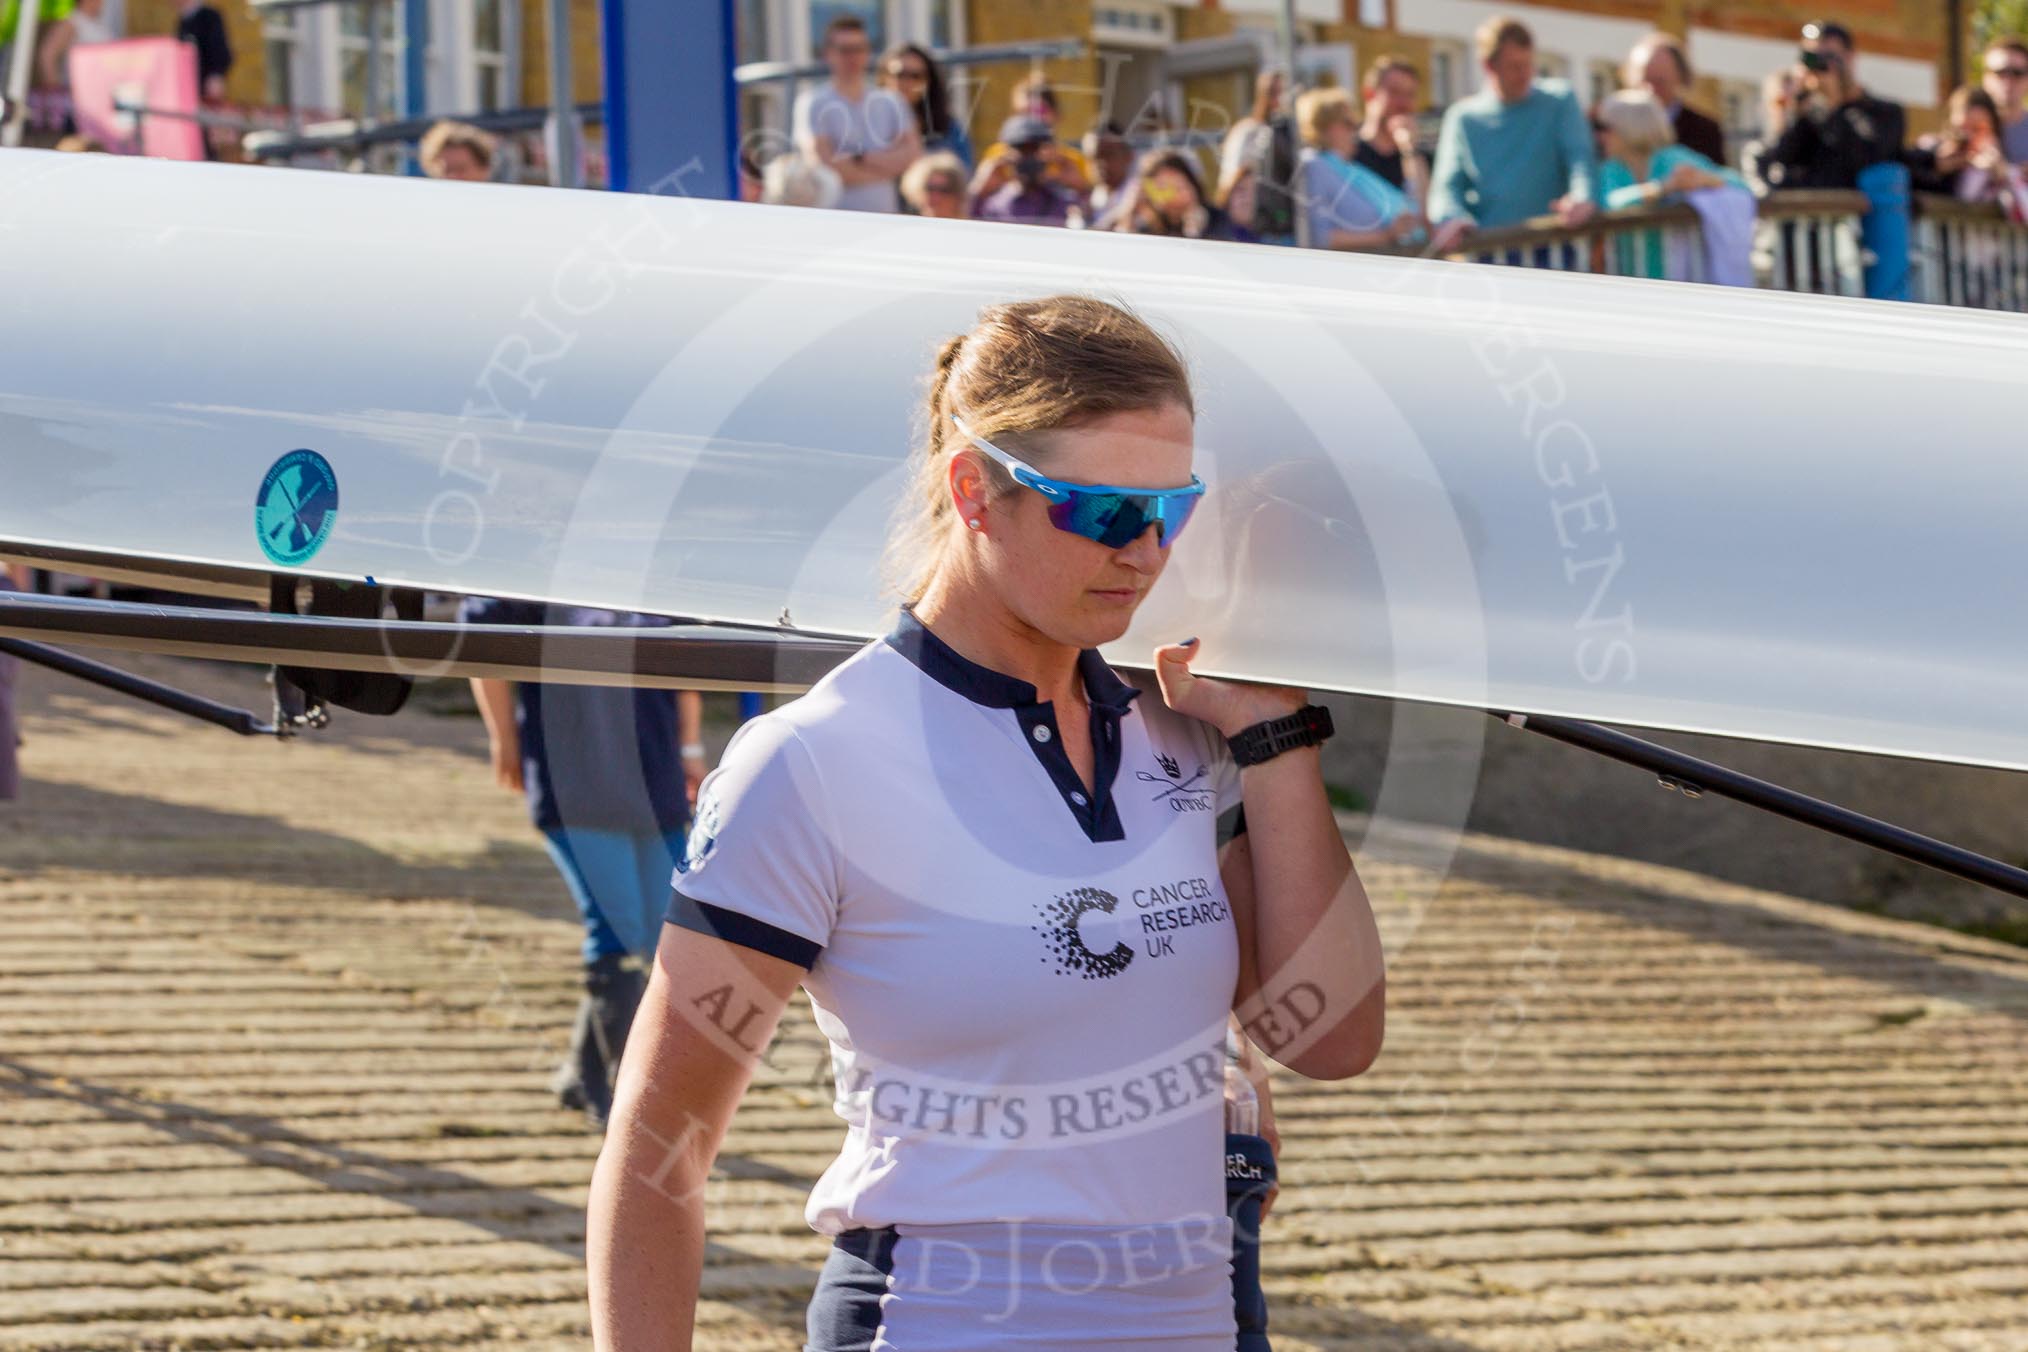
column 967, row 486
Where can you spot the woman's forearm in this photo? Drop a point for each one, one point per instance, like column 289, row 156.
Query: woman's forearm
column 1322, row 975
column 644, row 1246
column 1360, row 239
column 495, row 699
column 679, row 1084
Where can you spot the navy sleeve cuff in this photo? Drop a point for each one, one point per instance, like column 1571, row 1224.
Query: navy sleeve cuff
column 706, row 918
column 1232, row 823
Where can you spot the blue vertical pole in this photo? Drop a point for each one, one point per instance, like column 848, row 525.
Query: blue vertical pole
column 672, row 112
column 562, row 126
column 415, row 94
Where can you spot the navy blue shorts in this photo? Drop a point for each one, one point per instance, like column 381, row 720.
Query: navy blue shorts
column 1028, row 1285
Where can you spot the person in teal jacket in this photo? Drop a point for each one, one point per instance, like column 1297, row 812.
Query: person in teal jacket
column 1643, row 166
column 1517, row 149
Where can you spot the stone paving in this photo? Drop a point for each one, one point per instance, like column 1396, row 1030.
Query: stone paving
column 276, row 1024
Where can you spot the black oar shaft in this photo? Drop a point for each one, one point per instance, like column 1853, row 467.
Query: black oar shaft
column 1702, row 775
column 225, row 716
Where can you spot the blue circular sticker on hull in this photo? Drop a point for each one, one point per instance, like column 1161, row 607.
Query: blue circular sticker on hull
column 297, row 506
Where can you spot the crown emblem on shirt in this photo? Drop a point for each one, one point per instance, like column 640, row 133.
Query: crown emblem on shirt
column 1169, row 766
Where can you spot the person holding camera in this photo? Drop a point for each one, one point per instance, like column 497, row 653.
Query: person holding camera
column 1827, row 127
column 1967, row 160
column 1021, row 180
column 1034, row 101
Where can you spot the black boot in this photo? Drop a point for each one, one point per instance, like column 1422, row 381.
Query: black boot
column 615, row 993
column 581, row 1060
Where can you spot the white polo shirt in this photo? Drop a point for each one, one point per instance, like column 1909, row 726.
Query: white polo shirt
column 1025, row 984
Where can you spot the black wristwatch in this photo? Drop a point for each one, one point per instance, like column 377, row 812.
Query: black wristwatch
column 1307, row 726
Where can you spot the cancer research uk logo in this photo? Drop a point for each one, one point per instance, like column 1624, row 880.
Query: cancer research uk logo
column 296, row 508
column 1091, row 938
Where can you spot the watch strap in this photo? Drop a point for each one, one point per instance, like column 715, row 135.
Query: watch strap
column 1263, row 741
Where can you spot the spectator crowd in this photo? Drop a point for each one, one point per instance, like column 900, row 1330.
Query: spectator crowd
column 1343, row 169
column 1333, row 168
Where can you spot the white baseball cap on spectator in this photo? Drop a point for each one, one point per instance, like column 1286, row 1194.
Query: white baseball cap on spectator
column 792, row 181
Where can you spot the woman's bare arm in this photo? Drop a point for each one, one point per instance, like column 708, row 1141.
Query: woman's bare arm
column 708, row 1015
column 1313, row 984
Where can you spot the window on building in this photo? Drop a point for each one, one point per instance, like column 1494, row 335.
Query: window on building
column 945, row 23
column 1133, row 38
column 1133, row 25
column 1326, row 65
column 356, row 88
column 490, row 45
column 872, row 13
column 280, row 41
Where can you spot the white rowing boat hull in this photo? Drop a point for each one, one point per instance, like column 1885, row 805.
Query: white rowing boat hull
column 1745, row 514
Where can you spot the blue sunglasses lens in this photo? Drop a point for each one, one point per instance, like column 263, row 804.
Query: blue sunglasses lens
column 1117, row 519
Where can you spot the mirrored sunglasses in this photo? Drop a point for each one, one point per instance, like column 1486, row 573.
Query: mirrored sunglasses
column 1113, row 517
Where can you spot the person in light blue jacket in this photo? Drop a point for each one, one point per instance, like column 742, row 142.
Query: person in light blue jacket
column 1341, row 203
column 1643, row 166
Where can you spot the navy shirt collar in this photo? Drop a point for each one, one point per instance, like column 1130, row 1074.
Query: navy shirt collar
column 982, row 685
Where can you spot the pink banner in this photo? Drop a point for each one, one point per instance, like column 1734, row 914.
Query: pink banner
column 159, row 74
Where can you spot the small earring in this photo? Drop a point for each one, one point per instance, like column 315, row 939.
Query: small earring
column 973, row 523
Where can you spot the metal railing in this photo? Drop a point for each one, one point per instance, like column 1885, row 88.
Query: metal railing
column 1808, row 240
column 1632, row 242
column 1804, row 241
column 1969, row 253
column 351, row 134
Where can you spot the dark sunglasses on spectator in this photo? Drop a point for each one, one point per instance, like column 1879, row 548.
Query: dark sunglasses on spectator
column 941, row 187
column 913, row 74
column 2009, row 72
